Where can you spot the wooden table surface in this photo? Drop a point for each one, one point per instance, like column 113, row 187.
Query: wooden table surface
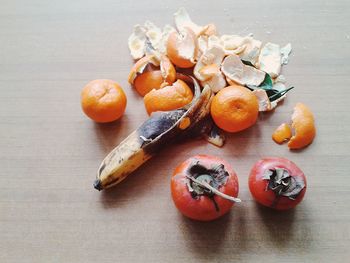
column 49, row 151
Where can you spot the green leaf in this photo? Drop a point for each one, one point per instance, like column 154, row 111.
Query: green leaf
column 267, row 83
column 248, row 63
column 275, row 94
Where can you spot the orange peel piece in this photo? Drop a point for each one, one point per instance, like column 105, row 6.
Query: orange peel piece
column 167, row 69
column 182, row 48
column 234, row 69
column 140, row 66
column 168, row 98
column 282, row 133
column 303, row 123
column 213, row 77
column 148, row 81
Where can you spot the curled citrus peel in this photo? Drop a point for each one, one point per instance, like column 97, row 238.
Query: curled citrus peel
column 168, row 97
column 182, row 48
column 234, row 69
column 140, row 66
column 282, row 133
column 183, row 20
column 147, row 81
column 303, row 126
column 213, row 77
column 167, row 69
column 303, row 123
column 144, row 80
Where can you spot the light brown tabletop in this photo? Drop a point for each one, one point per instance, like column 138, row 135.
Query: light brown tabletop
column 49, row 151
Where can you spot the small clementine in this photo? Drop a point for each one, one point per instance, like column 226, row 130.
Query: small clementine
column 234, row 108
column 103, row 100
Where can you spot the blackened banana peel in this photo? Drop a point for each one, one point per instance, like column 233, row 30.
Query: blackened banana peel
column 161, row 129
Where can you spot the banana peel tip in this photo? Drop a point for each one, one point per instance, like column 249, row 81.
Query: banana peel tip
column 98, row 185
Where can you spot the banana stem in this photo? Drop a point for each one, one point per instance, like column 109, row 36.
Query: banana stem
column 214, row 190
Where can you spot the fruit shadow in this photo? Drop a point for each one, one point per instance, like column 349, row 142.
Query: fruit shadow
column 136, row 185
column 239, row 143
column 282, row 228
column 208, row 239
column 109, row 134
column 279, row 224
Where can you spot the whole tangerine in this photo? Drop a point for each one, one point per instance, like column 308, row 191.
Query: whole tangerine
column 103, row 100
column 234, row 108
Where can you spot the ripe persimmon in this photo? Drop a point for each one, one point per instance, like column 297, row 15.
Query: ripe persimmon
column 168, row 98
column 103, row 100
column 234, row 108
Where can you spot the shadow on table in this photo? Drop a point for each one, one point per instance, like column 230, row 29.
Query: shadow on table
column 208, row 239
column 109, row 134
column 279, row 224
column 285, row 228
column 135, row 185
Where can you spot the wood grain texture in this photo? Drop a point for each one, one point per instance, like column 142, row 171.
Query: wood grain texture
column 49, row 151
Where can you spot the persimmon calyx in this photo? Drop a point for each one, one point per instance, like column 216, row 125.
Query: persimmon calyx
column 282, row 183
column 204, row 181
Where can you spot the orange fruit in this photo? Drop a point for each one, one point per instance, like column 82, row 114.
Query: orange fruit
column 234, row 108
column 303, row 123
column 182, row 48
column 168, row 98
column 282, row 133
column 103, row 100
column 147, row 81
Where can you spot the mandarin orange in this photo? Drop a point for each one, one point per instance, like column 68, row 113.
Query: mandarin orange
column 103, row 100
column 234, row 108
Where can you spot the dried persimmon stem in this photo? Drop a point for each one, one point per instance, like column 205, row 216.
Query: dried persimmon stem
column 214, row 190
